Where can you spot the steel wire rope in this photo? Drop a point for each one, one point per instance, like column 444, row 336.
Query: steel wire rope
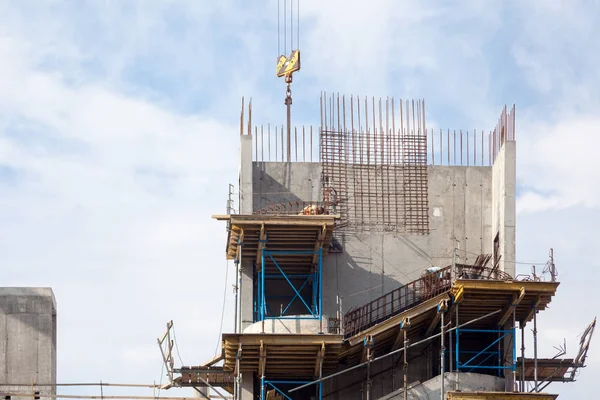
column 223, row 308
column 298, row 24
column 284, row 26
column 176, row 345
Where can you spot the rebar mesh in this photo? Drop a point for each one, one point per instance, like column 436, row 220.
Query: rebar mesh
column 374, row 175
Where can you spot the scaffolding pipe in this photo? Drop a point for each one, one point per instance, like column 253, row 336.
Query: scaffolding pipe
column 523, row 359
column 368, row 372
column 451, row 356
column 456, row 386
column 237, row 279
column 514, row 361
column 405, row 364
column 442, row 353
column 535, row 360
column 394, row 352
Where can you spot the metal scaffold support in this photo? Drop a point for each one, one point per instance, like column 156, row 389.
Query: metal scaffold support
column 312, row 306
column 480, row 359
column 279, row 388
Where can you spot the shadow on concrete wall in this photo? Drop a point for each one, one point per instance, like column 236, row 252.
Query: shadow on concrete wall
column 267, row 190
column 357, row 279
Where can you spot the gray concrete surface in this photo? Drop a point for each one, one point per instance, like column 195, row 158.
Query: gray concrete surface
column 247, row 386
column 371, row 264
column 245, row 175
column 431, row 389
column 27, row 339
column 504, row 196
column 246, row 294
column 308, row 326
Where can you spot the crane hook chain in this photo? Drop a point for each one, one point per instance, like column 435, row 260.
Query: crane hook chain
column 288, row 103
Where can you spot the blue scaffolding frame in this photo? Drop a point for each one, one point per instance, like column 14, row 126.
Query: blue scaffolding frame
column 264, row 384
column 472, row 364
column 314, row 310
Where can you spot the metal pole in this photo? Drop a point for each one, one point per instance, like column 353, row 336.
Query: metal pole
column 405, row 365
column 368, row 372
column 262, row 388
column 262, row 289
column 321, row 290
column 442, row 353
column 237, row 278
column 451, row 355
column 535, row 361
column 514, row 361
column 456, row 387
column 523, row 359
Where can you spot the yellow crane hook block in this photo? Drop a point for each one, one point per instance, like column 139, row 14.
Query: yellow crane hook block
column 286, row 66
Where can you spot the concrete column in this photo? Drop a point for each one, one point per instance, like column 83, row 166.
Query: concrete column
column 504, row 190
column 245, row 175
column 247, row 386
column 247, row 294
column 27, row 339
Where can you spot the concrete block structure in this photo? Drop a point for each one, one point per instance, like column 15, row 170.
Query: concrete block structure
column 27, row 341
column 379, row 263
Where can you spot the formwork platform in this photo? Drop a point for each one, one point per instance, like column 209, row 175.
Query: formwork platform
column 249, row 234
column 282, row 355
column 466, row 300
column 478, row 297
column 205, row 376
column 548, row 369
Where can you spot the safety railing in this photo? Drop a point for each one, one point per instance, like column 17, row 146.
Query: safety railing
column 396, row 301
column 411, row 294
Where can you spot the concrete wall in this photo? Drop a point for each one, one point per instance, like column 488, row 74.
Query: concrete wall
column 280, row 182
column 371, row 264
column 504, row 204
column 27, row 338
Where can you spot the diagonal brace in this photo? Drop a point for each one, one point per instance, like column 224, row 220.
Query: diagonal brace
column 291, row 284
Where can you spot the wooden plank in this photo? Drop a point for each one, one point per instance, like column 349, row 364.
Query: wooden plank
column 530, row 314
column 319, row 361
column 213, row 360
column 319, row 244
column 261, row 245
column 509, row 286
column 516, row 299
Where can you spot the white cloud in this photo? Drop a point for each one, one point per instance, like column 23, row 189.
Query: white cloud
column 120, row 122
column 559, row 160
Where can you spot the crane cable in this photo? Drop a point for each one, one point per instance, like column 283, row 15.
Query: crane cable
column 288, row 79
column 285, row 26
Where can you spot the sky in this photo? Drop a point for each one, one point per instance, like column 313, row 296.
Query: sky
column 119, row 137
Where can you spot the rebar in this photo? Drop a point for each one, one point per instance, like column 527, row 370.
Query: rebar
column 374, row 177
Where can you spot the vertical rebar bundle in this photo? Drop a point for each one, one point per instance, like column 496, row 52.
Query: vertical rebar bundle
column 374, row 175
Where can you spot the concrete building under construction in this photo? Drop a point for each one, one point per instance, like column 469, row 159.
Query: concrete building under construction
column 376, row 260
